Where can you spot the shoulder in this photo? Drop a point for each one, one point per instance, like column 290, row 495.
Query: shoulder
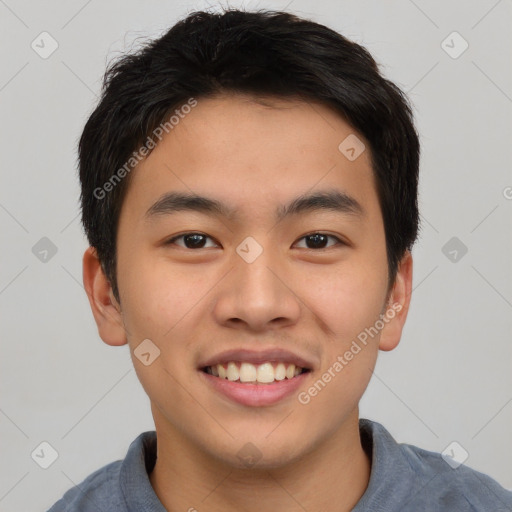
column 99, row 491
column 453, row 486
column 408, row 478
column 115, row 485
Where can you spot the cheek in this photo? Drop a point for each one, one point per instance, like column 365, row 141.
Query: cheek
column 156, row 295
column 336, row 392
column 159, row 306
column 347, row 300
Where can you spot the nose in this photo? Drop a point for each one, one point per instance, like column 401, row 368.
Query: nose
column 258, row 295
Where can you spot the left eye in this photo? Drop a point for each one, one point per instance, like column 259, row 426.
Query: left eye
column 197, row 240
column 319, row 239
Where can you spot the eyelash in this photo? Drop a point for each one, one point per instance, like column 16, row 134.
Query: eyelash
column 172, row 240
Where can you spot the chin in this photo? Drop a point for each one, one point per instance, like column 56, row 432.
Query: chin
column 258, row 453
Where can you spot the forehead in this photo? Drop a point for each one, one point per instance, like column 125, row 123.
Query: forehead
column 255, row 153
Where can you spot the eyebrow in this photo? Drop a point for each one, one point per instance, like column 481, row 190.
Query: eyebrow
column 331, row 199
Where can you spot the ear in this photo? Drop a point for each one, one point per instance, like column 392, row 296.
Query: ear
column 397, row 305
column 105, row 308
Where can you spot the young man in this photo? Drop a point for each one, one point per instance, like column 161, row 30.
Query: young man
column 249, row 192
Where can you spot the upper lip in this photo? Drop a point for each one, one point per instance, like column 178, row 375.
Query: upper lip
column 258, row 357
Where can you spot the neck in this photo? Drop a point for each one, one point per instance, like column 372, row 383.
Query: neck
column 331, row 476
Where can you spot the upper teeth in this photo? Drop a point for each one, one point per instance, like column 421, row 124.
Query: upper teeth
column 247, row 372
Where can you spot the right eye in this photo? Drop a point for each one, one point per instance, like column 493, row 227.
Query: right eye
column 192, row 240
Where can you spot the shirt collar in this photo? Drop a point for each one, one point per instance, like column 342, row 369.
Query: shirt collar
column 387, row 462
column 134, row 477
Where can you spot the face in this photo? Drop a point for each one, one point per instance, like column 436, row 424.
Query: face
column 256, row 282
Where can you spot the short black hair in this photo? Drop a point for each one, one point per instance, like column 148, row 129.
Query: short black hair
column 262, row 53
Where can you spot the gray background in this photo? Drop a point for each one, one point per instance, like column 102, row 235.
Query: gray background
column 450, row 378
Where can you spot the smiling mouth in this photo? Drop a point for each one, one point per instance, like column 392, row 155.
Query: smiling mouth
column 248, row 373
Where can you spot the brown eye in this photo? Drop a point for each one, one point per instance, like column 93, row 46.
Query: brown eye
column 190, row 240
column 319, row 240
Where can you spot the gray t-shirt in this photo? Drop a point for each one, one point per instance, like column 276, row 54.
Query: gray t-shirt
column 403, row 478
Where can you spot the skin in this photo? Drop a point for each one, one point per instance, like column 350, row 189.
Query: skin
column 194, row 303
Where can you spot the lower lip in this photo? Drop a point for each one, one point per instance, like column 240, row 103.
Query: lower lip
column 255, row 395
